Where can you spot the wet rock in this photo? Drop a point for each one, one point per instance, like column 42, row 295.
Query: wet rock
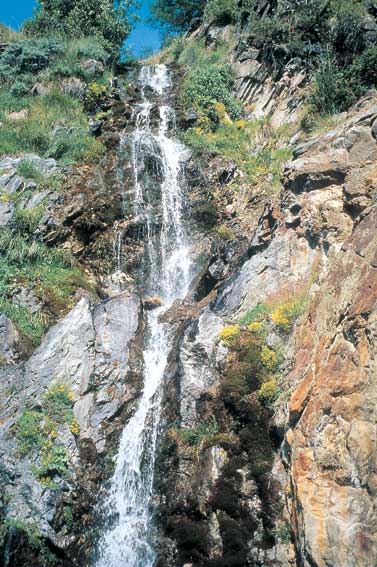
column 92, row 351
column 151, row 303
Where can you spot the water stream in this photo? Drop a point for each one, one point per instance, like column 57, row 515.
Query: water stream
column 128, row 540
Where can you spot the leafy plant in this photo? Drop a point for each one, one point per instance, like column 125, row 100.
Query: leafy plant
column 28, row 56
column 331, row 92
column 176, row 15
column 220, row 11
column 29, row 431
column 228, row 334
column 196, row 436
column 37, row 433
column 109, row 22
column 285, row 314
column 269, row 392
column 257, row 313
column 268, row 358
column 209, row 85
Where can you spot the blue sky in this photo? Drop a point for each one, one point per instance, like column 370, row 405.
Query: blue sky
column 142, row 38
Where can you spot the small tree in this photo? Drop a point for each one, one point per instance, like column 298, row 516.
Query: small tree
column 110, row 22
column 176, row 15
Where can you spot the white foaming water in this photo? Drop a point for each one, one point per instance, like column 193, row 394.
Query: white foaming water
column 128, row 540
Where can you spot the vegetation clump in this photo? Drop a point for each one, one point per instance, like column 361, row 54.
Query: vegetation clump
column 51, row 272
column 259, row 150
column 109, row 22
column 228, row 334
column 285, row 314
column 37, row 433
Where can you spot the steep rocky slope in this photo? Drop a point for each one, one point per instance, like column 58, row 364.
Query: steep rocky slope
column 242, row 479
column 228, row 499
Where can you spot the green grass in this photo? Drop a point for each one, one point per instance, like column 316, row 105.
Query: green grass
column 257, row 313
column 25, row 261
column 242, row 141
column 31, row 325
column 35, row 133
column 194, row 437
column 27, row 220
column 27, row 169
column 194, row 54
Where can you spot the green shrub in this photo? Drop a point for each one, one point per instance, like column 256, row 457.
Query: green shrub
column 28, row 56
column 347, row 33
column 363, row 72
column 194, row 437
column 220, row 11
column 331, row 93
column 20, row 89
column 209, row 85
column 107, row 21
column 257, row 313
column 269, row 392
column 28, row 431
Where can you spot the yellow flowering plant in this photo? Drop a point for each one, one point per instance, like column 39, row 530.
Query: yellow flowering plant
column 228, row 334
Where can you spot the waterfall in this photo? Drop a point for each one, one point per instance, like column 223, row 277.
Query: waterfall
column 127, row 541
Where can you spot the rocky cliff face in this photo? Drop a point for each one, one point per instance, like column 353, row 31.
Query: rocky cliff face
column 299, row 490
column 239, row 482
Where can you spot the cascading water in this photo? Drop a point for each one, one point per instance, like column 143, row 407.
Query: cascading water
column 127, row 542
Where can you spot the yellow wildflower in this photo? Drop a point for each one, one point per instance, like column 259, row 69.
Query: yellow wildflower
column 256, row 327
column 285, row 314
column 268, row 357
column 74, row 427
column 228, row 334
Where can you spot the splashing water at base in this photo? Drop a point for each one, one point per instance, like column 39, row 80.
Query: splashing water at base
column 128, row 540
